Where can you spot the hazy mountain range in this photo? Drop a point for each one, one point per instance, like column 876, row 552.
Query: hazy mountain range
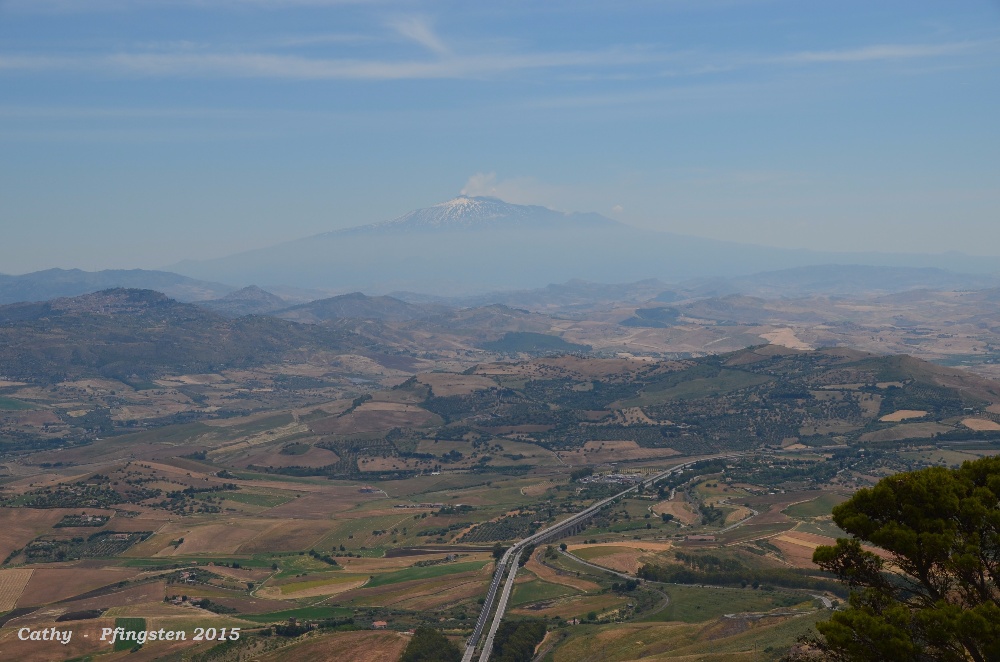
column 472, row 245
column 53, row 283
column 474, row 251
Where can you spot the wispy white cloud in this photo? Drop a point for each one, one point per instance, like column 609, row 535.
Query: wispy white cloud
column 880, row 52
column 268, row 65
column 631, row 63
column 88, row 6
column 418, row 29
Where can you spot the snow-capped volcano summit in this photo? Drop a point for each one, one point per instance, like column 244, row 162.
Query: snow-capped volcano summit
column 476, row 244
column 480, row 213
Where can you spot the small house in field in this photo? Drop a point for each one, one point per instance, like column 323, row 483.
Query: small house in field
column 379, row 625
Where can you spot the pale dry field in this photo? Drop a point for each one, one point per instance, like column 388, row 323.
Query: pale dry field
column 12, row 583
column 361, row 646
column 208, row 378
column 374, row 416
column 259, row 439
column 331, row 586
column 141, row 594
column 627, row 560
column 536, row 490
column 563, row 366
column 324, row 502
column 796, row 551
column 445, row 384
column 906, row 431
column 287, row 536
column 572, row 606
column 217, row 538
column 386, row 463
column 903, row 415
column 547, row 574
column 785, row 338
column 738, row 515
column 626, row 556
column 12, row 648
column 680, row 509
column 596, row 452
column 314, row 457
column 371, row 565
column 51, row 584
column 19, row 526
column 981, row 424
column 447, row 595
column 633, row 415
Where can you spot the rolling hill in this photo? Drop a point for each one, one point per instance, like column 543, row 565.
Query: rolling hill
column 53, row 283
column 135, row 335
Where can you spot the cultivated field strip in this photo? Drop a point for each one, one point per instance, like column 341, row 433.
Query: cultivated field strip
column 12, row 583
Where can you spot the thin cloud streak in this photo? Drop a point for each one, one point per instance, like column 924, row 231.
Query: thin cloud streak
column 881, row 52
column 263, row 65
column 92, row 6
column 203, row 63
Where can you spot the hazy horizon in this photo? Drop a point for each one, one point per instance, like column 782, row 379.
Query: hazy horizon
column 139, row 134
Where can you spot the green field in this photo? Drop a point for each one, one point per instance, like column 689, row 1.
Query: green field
column 305, row 613
column 535, row 591
column 9, row 404
column 296, row 564
column 428, row 572
column 694, row 604
column 818, row 507
column 130, row 625
column 325, row 579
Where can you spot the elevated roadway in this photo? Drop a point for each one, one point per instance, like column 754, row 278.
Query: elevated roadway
column 507, row 565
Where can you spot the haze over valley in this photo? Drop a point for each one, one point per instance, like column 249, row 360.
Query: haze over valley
column 510, row 332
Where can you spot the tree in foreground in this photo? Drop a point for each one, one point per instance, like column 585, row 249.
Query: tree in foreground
column 929, row 591
column 429, row 645
column 516, row 641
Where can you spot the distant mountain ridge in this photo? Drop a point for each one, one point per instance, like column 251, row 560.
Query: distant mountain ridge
column 250, row 300
column 474, row 245
column 54, row 283
column 359, row 306
column 840, row 280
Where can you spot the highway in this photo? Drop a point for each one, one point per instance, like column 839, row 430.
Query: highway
column 507, row 565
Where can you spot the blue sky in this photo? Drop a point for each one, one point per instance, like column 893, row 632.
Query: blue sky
column 135, row 133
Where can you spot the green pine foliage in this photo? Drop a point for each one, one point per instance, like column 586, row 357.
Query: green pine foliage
column 932, row 594
column 429, row 645
column 516, row 640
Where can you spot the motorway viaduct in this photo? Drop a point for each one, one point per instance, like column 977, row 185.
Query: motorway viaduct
column 507, row 565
